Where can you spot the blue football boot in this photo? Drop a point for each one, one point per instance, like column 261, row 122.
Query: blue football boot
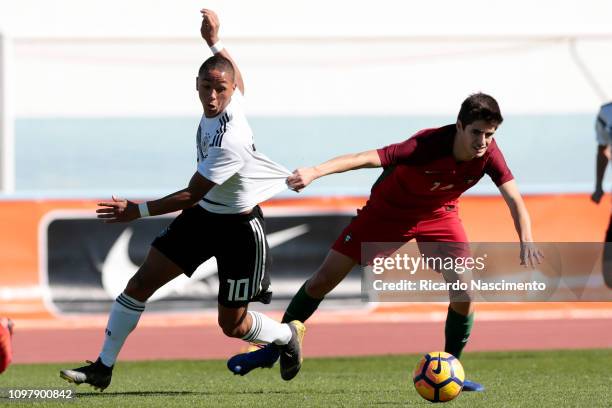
column 264, row 357
column 472, row 386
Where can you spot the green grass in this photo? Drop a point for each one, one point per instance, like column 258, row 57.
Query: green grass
column 513, row 379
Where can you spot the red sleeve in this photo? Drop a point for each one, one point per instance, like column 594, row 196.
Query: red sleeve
column 392, row 154
column 497, row 168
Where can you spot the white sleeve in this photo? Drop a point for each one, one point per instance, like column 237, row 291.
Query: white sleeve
column 220, row 164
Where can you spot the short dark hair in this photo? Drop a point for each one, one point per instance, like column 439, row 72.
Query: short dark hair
column 480, row 106
column 218, row 62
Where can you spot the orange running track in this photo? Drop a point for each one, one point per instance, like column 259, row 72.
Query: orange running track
column 322, row 339
column 391, row 328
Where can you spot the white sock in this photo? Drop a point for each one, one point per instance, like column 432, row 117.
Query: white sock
column 266, row 330
column 123, row 318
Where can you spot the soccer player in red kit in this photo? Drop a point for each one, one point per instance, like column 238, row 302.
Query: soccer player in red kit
column 6, row 348
column 416, row 197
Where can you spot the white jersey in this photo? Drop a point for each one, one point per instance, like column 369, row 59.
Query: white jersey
column 603, row 125
column 227, row 157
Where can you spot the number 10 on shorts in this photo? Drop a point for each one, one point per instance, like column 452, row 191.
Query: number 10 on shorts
column 238, row 289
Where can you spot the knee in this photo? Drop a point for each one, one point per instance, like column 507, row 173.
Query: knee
column 462, row 301
column 233, row 329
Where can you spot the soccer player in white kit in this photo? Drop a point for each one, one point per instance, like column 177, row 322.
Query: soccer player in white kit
column 603, row 129
column 220, row 218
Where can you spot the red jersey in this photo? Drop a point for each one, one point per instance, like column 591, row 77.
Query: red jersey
column 421, row 174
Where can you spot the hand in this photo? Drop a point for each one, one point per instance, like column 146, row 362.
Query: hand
column 301, row 178
column 210, row 27
column 119, row 210
column 530, row 254
column 596, row 196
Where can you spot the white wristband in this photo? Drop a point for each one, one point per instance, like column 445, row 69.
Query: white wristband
column 144, row 209
column 217, row 47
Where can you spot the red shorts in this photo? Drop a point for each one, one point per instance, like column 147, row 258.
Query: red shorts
column 442, row 225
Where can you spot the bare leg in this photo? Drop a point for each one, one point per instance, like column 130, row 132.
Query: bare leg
column 334, row 269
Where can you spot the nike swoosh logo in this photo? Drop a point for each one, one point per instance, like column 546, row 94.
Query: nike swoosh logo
column 439, row 369
column 118, row 268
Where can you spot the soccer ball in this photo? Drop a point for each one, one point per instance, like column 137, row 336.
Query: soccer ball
column 438, row 377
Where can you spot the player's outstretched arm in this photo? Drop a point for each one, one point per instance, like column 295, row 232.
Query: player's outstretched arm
column 304, row 176
column 601, row 163
column 530, row 254
column 120, row 210
column 210, row 33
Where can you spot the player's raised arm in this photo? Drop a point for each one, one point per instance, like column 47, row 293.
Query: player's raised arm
column 530, row 255
column 120, row 210
column 304, row 176
column 210, row 33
